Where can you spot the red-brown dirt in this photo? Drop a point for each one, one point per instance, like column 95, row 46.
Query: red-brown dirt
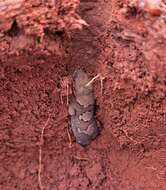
column 127, row 48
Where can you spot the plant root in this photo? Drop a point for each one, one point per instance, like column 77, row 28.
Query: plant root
column 40, row 154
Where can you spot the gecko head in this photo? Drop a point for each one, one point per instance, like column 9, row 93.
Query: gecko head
column 81, row 79
column 79, row 74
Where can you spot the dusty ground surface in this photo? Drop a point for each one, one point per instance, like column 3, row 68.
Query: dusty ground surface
column 37, row 26
column 128, row 49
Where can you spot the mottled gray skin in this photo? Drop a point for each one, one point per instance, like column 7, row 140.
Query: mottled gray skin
column 81, row 109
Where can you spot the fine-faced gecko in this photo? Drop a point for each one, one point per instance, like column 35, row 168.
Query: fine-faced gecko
column 81, row 109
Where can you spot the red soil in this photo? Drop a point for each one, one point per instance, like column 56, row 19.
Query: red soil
column 128, row 49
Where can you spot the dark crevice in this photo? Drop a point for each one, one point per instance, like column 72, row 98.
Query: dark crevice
column 14, row 30
column 59, row 34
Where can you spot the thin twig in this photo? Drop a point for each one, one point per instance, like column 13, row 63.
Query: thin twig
column 92, row 80
column 40, row 168
column 67, row 94
column 61, row 97
column 101, row 84
column 81, row 158
column 40, row 153
column 129, row 137
column 69, row 137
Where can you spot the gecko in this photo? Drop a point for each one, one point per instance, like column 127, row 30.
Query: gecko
column 82, row 109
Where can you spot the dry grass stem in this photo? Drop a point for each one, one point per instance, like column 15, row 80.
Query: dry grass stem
column 101, row 84
column 129, row 137
column 81, row 158
column 92, row 80
column 67, row 93
column 61, row 97
column 70, row 139
column 40, row 154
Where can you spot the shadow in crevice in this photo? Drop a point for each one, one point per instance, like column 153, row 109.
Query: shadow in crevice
column 14, row 30
column 86, row 45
